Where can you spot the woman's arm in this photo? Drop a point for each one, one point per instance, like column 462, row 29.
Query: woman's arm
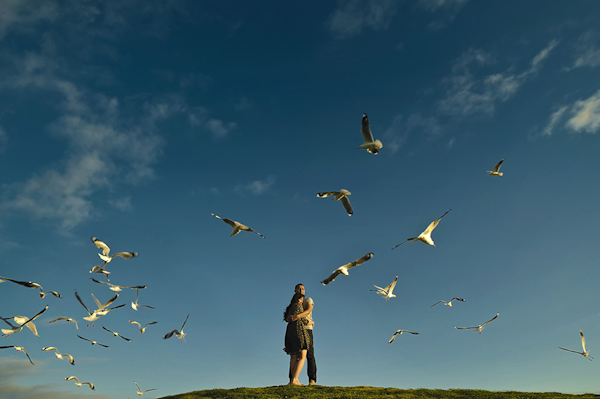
column 303, row 314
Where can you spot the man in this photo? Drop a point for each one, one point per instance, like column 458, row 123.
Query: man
column 310, row 356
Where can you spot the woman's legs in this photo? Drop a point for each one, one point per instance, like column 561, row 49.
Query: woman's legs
column 293, row 362
column 299, row 365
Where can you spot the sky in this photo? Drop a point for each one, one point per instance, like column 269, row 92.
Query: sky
column 132, row 121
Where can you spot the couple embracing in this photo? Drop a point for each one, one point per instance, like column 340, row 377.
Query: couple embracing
column 299, row 336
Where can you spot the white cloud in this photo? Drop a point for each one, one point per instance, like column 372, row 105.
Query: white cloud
column 257, row 187
column 554, row 120
column 23, row 15
column 587, row 53
column 218, row 128
column 586, row 114
column 447, row 10
column 122, row 204
column 352, row 16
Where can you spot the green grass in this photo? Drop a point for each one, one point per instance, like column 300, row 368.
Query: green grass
column 361, row 392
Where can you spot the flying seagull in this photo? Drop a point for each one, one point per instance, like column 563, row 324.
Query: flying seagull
column 93, row 342
column 67, row 319
column 140, row 392
column 92, row 387
column 237, row 226
column 479, row 327
column 102, row 309
column 449, row 303
column 18, row 348
column 30, row 284
column 118, row 288
column 134, row 305
column 21, row 320
column 426, row 235
column 344, row 269
column 585, row 353
column 142, row 329
column 180, row 334
column 116, row 334
column 387, row 291
column 98, row 269
column 106, row 250
column 339, row 195
column 400, row 332
column 369, row 145
column 496, row 172
column 60, row 355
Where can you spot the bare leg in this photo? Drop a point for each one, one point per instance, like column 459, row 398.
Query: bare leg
column 293, row 361
column 299, row 366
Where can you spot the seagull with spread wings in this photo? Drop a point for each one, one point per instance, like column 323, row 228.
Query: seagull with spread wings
column 140, row 392
column 115, row 334
column 496, row 171
column 30, row 284
column 178, row 333
column 426, row 235
column 101, row 311
column 344, row 268
column 449, row 303
column 118, row 288
column 479, row 327
column 60, row 355
column 92, row 387
column 585, row 353
column 339, row 195
column 21, row 321
column 18, row 348
column 106, row 250
column 134, row 305
column 142, row 329
column 400, row 332
column 93, row 342
column 373, row 146
column 387, row 291
column 67, row 319
column 237, row 226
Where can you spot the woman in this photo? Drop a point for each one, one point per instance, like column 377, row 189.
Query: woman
column 297, row 340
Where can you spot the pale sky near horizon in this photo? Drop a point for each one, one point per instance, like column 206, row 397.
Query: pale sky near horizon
column 132, row 121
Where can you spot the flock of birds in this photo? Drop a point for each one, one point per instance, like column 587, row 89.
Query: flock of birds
column 17, row 323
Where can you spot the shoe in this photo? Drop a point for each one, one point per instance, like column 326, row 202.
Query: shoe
column 312, row 382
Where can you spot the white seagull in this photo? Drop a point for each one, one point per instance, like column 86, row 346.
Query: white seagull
column 369, row 145
column 496, row 172
column 344, row 269
column 18, row 348
column 134, row 305
column 21, row 321
column 400, row 332
column 93, row 342
column 387, row 291
column 102, row 309
column 339, row 195
column 426, row 235
column 585, row 353
column 67, row 319
column 30, row 284
column 237, row 226
column 118, row 288
column 479, row 327
column 140, row 392
column 449, row 303
column 106, row 250
column 92, row 387
column 142, row 329
column 116, row 334
column 60, row 355
column 180, row 334
column 98, row 269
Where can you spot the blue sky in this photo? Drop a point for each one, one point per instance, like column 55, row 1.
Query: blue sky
column 132, row 121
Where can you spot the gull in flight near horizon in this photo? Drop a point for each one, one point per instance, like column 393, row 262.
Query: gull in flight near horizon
column 106, row 250
column 479, row 327
column 30, row 284
column 180, row 334
column 585, row 353
column 449, row 303
column 93, row 342
column 426, row 235
column 140, row 392
column 134, row 305
column 21, row 321
column 92, row 387
column 115, row 334
column 118, row 288
column 387, row 291
column 344, row 269
column 67, row 319
column 339, row 195
column 60, row 355
column 496, row 171
column 237, row 226
column 142, row 329
column 400, row 333
column 18, row 348
column 372, row 146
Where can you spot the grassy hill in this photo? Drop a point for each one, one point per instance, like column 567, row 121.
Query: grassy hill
column 361, row 392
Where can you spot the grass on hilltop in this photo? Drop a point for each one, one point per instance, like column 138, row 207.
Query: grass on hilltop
column 362, row 392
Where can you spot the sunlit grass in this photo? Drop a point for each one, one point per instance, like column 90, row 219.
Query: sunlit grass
column 325, row 392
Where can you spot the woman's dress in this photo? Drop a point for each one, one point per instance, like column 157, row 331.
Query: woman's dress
column 296, row 336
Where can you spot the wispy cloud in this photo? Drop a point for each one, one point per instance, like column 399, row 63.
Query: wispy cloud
column 446, row 10
column 24, row 15
column 351, row 17
column 256, row 187
column 585, row 115
column 555, row 119
column 218, row 128
column 469, row 93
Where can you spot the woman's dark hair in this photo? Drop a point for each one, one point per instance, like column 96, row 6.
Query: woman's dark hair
column 295, row 299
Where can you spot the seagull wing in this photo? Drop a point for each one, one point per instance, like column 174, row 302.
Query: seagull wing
column 393, row 337
column 136, row 323
column 434, row 224
column 582, row 340
column 185, row 321
column 81, row 302
column 138, row 387
column 85, row 339
column 126, row 255
column 569, row 350
column 101, row 245
column 111, row 300
column 465, row 328
column 390, row 288
column 170, row 334
column 252, row 231
column 497, row 167
column 438, row 302
column 359, row 261
column 403, row 242
column 347, row 205
column 365, row 129
column 492, row 319
column 458, row 299
column 332, row 277
column 327, row 194
column 110, row 331
column 39, row 313
column 20, row 348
